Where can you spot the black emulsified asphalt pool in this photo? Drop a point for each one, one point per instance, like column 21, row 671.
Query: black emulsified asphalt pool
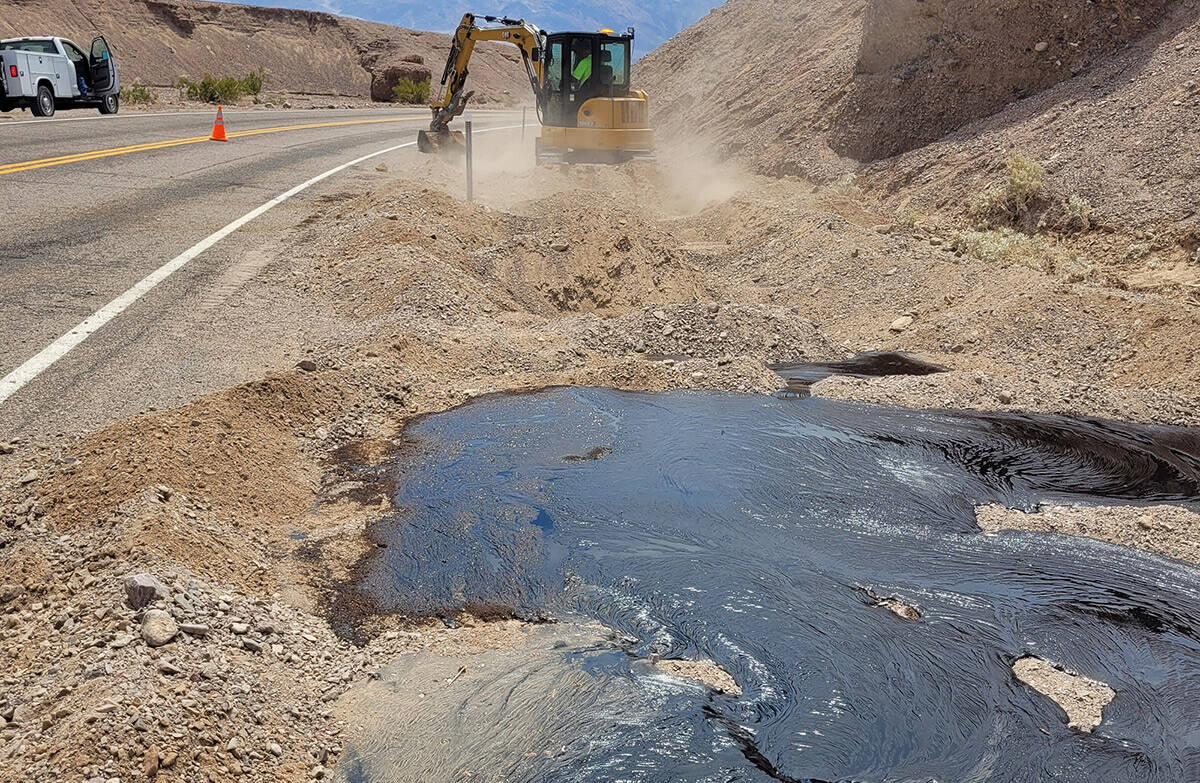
column 760, row 533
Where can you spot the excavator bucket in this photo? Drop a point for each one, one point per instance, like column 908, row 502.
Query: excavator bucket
column 444, row 143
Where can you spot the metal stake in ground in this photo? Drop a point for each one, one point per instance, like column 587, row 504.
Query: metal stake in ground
column 470, row 164
column 524, row 109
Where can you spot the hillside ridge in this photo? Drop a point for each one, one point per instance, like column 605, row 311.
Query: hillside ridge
column 925, row 102
column 301, row 51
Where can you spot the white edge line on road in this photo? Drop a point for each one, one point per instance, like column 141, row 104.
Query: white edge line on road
column 13, row 382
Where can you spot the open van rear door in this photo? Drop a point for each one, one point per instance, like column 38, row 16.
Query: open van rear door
column 101, row 64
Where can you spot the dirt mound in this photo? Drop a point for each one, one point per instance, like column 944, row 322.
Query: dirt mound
column 306, row 52
column 1124, row 137
column 578, row 250
column 868, row 79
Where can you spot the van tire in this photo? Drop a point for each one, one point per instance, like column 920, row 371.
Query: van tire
column 110, row 104
column 43, row 103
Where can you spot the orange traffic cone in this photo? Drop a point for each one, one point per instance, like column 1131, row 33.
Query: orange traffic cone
column 218, row 133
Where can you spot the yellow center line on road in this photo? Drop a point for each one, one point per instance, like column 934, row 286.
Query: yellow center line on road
column 78, row 157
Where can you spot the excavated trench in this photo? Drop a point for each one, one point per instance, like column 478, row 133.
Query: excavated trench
column 770, row 536
column 799, row 377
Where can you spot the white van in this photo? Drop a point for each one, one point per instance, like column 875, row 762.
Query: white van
column 42, row 74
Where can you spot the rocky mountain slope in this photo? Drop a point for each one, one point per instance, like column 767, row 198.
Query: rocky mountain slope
column 655, row 20
column 157, row 41
column 928, row 100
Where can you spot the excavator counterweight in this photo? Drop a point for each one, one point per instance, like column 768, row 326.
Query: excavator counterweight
column 580, row 85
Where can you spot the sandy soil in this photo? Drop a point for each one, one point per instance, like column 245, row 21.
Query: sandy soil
column 249, row 505
column 1105, row 96
column 1082, row 699
column 1164, row 530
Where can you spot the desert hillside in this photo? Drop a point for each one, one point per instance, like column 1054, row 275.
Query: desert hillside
column 157, row 41
column 926, row 101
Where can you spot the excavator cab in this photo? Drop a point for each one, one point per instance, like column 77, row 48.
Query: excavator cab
column 590, row 114
column 588, row 110
column 581, row 66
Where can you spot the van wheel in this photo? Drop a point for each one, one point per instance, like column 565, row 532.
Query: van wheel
column 110, row 104
column 43, row 104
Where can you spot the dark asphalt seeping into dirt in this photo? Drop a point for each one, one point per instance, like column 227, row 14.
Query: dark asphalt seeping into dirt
column 760, row 533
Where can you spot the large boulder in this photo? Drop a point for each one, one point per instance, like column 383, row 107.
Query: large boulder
column 384, row 80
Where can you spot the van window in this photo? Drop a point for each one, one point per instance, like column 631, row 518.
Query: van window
column 37, row 47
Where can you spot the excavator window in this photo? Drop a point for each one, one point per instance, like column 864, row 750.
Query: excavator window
column 581, row 62
column 554, row 62
column 614, row 64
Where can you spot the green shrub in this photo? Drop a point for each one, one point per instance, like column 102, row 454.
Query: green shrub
column 225, row 89
column 1011, row 199
column 1001, row 247
column 409, row 91
column 211, row 89
column 252, row 83
column 136, row 95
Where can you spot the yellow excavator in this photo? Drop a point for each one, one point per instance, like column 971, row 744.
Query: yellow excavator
column 580, row 81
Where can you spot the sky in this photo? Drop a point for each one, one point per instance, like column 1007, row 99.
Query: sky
column 655, row 20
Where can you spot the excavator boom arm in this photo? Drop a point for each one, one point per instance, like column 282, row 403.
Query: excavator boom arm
column 452, row 100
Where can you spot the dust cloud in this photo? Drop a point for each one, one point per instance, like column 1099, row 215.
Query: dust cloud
column 681, row 179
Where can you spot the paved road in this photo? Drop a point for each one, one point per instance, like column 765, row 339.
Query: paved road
column 75, row 235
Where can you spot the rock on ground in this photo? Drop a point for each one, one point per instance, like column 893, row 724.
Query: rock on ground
column 705, row 672
column 158, row 628
column 144, row 589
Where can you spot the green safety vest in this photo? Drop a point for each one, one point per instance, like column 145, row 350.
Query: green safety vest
column 583, row 69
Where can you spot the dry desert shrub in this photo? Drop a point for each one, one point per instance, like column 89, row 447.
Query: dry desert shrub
column 1011, row 199
column 1007, row 247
